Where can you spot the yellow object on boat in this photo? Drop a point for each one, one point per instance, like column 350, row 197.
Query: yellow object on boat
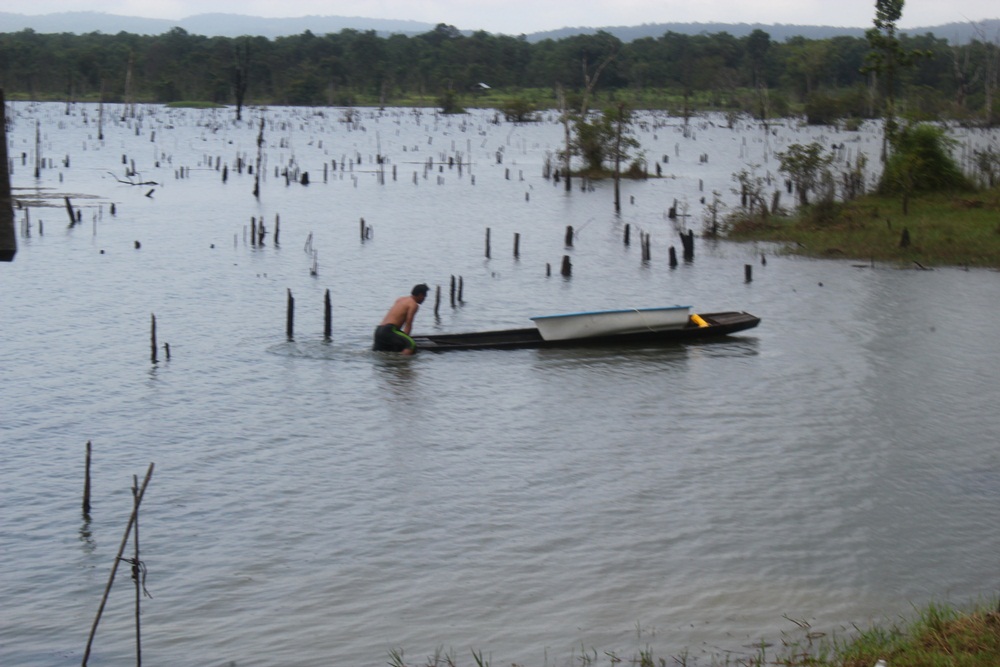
column 697, row 319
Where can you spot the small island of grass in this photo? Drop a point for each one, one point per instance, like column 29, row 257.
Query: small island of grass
column 923, row 212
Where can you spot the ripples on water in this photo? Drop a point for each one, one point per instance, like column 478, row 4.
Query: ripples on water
column 315, row 503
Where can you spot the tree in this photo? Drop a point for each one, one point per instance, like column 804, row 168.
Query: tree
column 241, row 74
column 990, row 67
column 807, row 60
column 922, row 162
column 758, row 44
column 886, row 58
column 751, row 191
column 519, row 110
column 806, row 167
column 590, row 81
column 620, row 149
column 605, row 137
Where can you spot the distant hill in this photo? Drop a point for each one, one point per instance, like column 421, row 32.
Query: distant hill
column 211, row 25
column 956, row 33
column 235, row 25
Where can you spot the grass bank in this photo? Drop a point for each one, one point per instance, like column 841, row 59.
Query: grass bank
column 958, row 229
column 937, row 636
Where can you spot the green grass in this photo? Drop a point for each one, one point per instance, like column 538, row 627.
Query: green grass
column 663, row 99
column 195, row 104
column 958, row 229
column 939, row 636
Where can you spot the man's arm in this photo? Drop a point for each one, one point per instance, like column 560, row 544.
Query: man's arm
column 411, row 312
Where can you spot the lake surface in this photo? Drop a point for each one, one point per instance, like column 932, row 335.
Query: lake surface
column 315, row 503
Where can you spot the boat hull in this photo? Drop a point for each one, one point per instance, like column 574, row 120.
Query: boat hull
column 716, row 325
column 600, row 323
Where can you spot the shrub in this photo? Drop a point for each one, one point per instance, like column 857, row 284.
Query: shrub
column 921, row 161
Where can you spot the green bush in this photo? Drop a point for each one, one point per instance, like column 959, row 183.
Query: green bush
column 921, row 161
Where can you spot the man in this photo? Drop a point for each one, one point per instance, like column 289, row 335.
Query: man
column 393, row 335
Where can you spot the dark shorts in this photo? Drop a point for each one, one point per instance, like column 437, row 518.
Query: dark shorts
column 390, row 339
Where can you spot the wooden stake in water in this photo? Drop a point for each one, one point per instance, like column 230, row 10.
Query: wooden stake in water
column 152, row 338
column 290, row 316
column 8, row 233
column 38, row 149
column 69, row 210
column 327, row 316
column 86, row 484
column 260, row 150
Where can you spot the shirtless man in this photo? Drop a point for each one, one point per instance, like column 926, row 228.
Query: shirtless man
column 393, row 334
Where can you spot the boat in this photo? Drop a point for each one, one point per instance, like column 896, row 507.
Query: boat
column 611, row 322
column 695, row 327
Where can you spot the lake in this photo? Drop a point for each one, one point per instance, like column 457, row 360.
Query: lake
column 315, row 503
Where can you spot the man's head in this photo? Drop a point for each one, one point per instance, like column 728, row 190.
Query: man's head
column 420, row 291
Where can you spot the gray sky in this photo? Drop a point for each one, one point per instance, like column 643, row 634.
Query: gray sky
column 514, row 17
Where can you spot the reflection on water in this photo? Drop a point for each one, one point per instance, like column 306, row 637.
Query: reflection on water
column 86, row 538
column 315, row 499
column 397, row 375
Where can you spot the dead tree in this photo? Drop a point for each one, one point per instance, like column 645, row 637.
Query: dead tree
column 241, row 74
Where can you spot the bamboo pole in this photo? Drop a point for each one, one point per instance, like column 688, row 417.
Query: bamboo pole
column 135, row 572
column 114, row 568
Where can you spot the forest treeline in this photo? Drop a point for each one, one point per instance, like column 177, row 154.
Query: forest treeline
column 825, row 78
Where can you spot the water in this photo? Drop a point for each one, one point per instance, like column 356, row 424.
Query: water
column 315, row 503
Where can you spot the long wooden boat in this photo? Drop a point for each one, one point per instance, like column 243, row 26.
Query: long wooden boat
column 697, row 327
column 611, row 322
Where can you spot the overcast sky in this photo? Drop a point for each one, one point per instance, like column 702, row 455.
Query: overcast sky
column 514, row 17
